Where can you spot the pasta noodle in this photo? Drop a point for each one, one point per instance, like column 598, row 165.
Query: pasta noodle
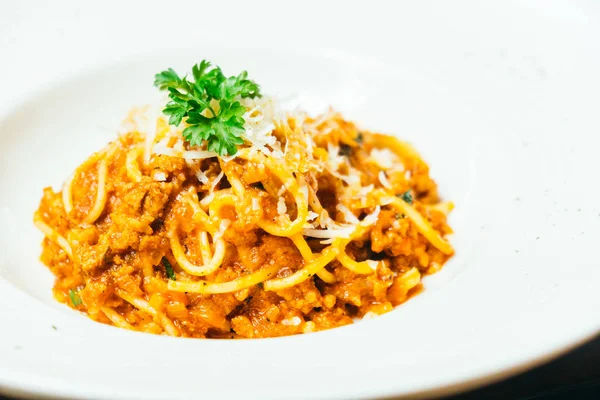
column 307, row 254
column 224, row 287
column 210, row 263
column 116, row 318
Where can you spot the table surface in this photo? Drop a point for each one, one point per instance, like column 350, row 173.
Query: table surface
column 575, row 375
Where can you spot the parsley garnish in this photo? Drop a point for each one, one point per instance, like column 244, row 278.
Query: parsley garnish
column 195, row 100
column 168, row 269
column 75, row 298
column 407, row 197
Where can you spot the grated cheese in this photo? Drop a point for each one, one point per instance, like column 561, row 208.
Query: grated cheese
column 384, row 180
column 197, row 154
column 327, row 117
column 294, row 321
column 384, row 201
column 202, row 177
column 371, row 218
column 312, row 215
column 281, row 207
column 329, row 233
column 334, row 159
column 207, row 200
column 159, row 176
column 350, row 218
column 214, row 183
column 334, row 230
column 373, row 264
column 259, row 124
column 178, row 151
column 304, row 190
column 328, row 241
column 386, row 159
column 370, row 315
column 363, row 192
column 349, row 179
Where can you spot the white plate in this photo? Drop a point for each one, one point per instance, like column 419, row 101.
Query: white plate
column 505, row 118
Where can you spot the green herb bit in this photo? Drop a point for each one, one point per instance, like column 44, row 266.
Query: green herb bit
column 407, row 197
column 168, row 269
column 400, row 216
column 195, row 100
column 345, row 150
column 75, row 298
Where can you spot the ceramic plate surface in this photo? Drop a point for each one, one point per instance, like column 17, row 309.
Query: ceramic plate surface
column 505, row 115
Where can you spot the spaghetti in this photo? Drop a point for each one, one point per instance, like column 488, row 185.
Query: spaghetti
column 312, row 221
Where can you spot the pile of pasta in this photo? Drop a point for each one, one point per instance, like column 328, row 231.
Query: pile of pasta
column 312, row 224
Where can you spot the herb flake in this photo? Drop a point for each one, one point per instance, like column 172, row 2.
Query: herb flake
column 345, row 150
column 168, row 269
column 407, row 197
column 75, row 298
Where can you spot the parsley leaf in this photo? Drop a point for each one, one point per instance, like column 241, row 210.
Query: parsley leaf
column 407, row 197
column 166, row 78
column 75, row 298
column 168, row 269
column 195, row 101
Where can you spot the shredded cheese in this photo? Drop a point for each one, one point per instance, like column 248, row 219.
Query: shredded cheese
column 177, row 150
column 312, row 215
column 373, row 264
column 259, row 124
column 214, row 183
column 334, row 159
column 159, row 176
column 202, row 178
column 370, row 315
column 281, row 207
column 386, row 159
column 371, row 218
column 294, row 321
column 384, row 180
column 349, row 179
column 207, row 200
column 350, row 218
column 329, row 233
